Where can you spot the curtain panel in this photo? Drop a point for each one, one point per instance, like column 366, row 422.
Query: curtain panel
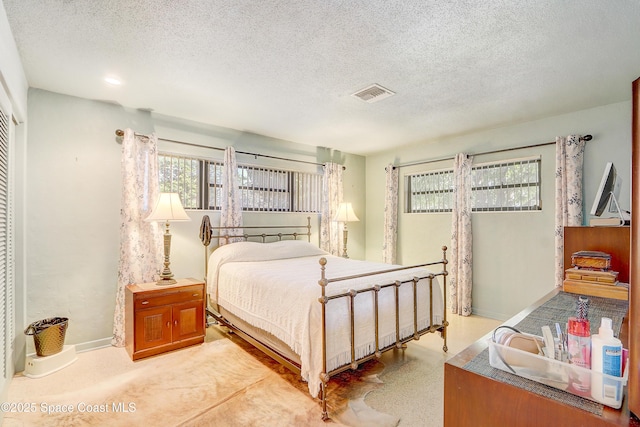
column 390, row 232
column 461, row 264
column 569, row 165
column 141, row 243
column 231, row 203
column 331, row 199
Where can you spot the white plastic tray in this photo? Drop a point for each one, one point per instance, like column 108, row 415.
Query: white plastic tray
column 557, row 374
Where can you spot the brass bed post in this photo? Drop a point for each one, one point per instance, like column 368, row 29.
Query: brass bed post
column 376, row 290
column 206, row 262
column 415, row 308
column 352, row 295
column 323, row 375
column 444, row 298
column 431, row 276
column 205, row 239
column 396, row 290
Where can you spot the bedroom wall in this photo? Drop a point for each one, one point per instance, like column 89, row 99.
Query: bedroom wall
column 513, row 252
column 73, row 201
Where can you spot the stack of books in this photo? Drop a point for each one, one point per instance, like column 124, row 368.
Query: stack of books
column 591, row 275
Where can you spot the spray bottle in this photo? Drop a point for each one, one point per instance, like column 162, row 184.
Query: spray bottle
column 606, row 358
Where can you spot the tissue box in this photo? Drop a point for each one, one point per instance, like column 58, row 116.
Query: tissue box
column 557, row 374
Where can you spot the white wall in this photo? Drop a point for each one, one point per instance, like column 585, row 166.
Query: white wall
column 12, row 75
column 73, row 207
column 73, row 203
column 513, row 252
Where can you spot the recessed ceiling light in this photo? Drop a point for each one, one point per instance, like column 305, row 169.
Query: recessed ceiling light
column 114, row 81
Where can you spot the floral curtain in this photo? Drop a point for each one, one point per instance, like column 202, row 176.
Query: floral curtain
column 141, row 244
column 569, row 161
column 331, row 199
column 390, row 216
column 461, row 264
column 231, row 203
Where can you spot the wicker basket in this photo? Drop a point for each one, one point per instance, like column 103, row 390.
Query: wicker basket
column 48, row 335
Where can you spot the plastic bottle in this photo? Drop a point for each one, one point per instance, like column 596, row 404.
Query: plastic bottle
column 579, row 347
column 606, row 358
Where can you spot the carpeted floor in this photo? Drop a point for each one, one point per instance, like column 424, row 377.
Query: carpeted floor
column 226, row 382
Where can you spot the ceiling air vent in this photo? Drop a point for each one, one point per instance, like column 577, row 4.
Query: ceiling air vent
column 373, row 93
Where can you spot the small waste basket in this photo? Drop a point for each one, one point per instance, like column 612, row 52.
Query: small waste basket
column 48, row 335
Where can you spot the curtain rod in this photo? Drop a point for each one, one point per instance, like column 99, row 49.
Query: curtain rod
column 582, row 138
column 120, row 134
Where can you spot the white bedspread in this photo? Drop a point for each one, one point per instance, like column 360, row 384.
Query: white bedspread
column 274, row 286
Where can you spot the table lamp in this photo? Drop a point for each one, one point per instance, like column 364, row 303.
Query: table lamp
column 345, row 214
column 167, row 209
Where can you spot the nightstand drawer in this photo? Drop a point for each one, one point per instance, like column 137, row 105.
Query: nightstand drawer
column 156, row 299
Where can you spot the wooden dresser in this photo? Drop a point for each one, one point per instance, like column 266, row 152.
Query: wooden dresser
column 471, row 399
column 163, row 318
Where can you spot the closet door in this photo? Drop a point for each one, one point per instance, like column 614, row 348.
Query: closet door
column 7, row 295
column 634, row 279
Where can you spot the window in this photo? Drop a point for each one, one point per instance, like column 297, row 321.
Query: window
column 199, row 183
column 511, row 186
column 182, row 175
column 505, row 186
column 429, row 192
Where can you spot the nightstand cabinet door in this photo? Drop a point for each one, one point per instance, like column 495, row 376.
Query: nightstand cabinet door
column 187, row 320
column 153, row 327
column 163, row 318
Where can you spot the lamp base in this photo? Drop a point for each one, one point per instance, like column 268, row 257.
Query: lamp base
column 344, row 241
column 166, row 281
column 166, row 277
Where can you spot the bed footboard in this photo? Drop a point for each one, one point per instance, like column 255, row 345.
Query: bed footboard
column 350, row 295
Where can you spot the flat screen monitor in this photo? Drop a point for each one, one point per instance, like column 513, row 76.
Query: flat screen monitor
column 609, row 185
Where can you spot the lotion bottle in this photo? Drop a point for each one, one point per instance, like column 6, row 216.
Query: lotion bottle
column 606, row 358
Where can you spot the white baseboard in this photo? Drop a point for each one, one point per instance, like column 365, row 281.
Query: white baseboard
column 490, row 314
column 93, row 345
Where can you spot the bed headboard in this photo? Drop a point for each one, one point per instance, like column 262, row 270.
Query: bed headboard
column 261, row 233
column 268, row 232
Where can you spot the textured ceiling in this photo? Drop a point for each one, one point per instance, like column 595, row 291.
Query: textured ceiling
column 287, row 68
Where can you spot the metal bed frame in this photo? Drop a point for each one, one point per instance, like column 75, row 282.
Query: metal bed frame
column 222, row 233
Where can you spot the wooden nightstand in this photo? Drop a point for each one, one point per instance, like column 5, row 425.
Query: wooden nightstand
column 163, row 318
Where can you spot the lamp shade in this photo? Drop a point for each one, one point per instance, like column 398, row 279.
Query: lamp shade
column 168, row 208
column 345, row 213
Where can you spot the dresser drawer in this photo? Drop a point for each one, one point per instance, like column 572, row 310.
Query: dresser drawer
column 162, row 297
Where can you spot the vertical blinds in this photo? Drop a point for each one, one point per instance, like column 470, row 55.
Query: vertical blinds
column 262, row 189
column 512, row 185
column 273, row 190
